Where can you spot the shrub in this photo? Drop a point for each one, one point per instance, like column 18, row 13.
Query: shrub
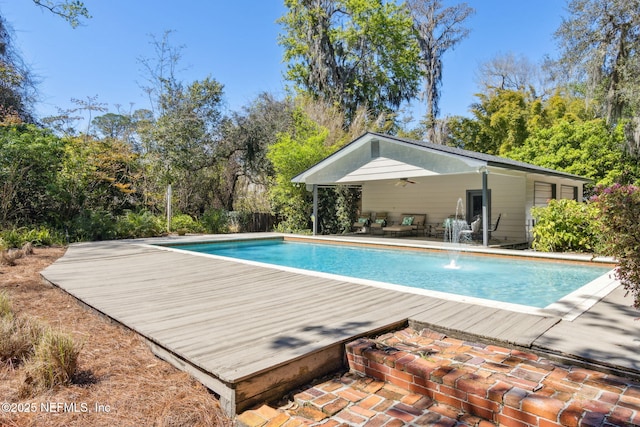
column 134, row 225
column 10, row 256
column 215, row 221
column 184, row 223
column 54, row 363
column 18, row 338
column 5, row 305
column 39, row 236
column 619, row 212
column 566, row 225
column 93, row 225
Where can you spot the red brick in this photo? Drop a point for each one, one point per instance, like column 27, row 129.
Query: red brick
column 453, row 392
column 445, row 410
column 510, row 422
column 620, row 415
column 350, row 417
column 542, row 406
column 478, row 411
column 377, row 421
column 514, row 397
column 609, row 397
column 367, row 413
column 402, row 362
column 437, row 375
column 570, row 416
column 395, row 423
column 375, row 373
column 451, row 377
column 474, row 385
column 524, row 355
column 352, row 395
column 630, row 399
column 402, row 375
column 428, row 333
column 592, row 419
column 519, row 415
column 358, row 346
column 391, row 358
column 421, row 367
column 404, row 416
column 547, row 423
column 375, row 355
column 370, row 402
column 412, row 398
column 416, row 388
column 485, row 404
column 399, row 382
column 335, row 406
column 598, row 406
column 447, row 400
column 380, row 367
column 498, row 390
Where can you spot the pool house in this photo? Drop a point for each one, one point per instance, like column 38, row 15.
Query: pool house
column 400, row 177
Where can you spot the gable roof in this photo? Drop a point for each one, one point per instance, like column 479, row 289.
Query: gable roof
column 375, row 156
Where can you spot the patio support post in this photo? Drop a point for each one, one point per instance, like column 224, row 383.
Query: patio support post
column 314, row 217
column 485, row 208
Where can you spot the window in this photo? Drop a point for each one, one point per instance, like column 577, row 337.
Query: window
column 543, row 192
column 568, row 192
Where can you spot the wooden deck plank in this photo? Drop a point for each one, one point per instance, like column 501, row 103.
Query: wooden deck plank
column 235, row 322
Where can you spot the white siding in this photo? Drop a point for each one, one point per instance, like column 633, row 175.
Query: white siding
column 437, row 197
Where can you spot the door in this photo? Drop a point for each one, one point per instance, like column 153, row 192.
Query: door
column 474, row 205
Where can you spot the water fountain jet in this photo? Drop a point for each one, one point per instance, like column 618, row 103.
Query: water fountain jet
column 453, row 227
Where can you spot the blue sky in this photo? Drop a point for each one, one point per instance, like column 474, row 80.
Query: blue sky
column 234, row 42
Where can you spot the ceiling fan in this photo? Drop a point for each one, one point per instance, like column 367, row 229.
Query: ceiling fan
column 404, row 181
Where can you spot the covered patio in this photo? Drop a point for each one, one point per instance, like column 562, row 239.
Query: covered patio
column 402, row 177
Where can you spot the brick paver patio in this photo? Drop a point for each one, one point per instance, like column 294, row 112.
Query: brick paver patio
column 420, row 378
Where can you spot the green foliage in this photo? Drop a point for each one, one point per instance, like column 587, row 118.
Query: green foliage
column 619, row 212
column 184, row 223
column 351, row 53
column 38, row 236
column 93, row 225
column 71, row 11
column 134, row 225
column 585, row 148
column 215, row 221
column 566, row 226
column 96, row 175
column 29, row 160
column 293, row 153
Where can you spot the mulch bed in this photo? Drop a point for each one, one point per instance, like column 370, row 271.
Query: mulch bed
column 118, row 382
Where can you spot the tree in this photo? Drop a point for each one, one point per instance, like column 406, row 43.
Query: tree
column 181, row 140
column 499, row 123
column 29, row 160
column 71, row 11
column 508, row 72
column 438, row 30
column 316, row 132
column 17, row 84
column 619, row 212
column 351, row 53
column 600, row 43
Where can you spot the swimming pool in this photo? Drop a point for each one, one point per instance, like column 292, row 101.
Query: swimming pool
column 533, row 283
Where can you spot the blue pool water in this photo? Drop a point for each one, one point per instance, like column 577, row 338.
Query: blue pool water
column 519, row 281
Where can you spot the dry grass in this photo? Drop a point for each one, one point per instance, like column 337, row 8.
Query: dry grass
column 118, row 380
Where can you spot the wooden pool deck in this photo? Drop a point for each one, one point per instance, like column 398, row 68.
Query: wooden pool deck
column 251, row 333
